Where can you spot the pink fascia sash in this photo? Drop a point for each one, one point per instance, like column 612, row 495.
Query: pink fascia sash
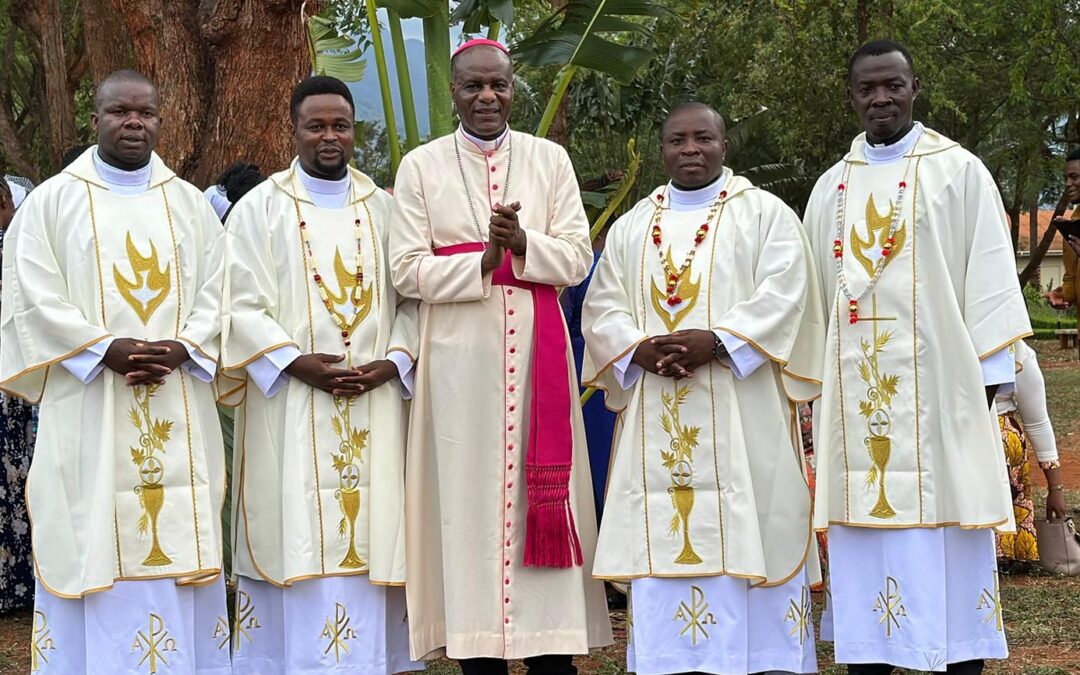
column 551, row 538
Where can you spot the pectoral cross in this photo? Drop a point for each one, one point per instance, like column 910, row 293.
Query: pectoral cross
column 874, row 318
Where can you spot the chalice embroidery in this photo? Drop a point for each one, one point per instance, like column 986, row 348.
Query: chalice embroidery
column 347, row 462
column 153, row 435
column 678, row 459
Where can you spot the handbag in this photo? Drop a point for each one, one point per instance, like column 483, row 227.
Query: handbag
column 1059, row 546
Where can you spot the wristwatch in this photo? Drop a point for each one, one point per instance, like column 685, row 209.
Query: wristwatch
column 719, row 351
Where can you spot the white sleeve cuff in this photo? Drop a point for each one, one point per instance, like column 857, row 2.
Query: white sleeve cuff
column 627, row 372
column 999, row 367
column 742, row 357
column 87, row 364
column 199, row 367
column 404, row 365
column 268, row 371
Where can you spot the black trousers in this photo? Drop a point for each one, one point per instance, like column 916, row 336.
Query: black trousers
column 548, row 664
column 962, row 668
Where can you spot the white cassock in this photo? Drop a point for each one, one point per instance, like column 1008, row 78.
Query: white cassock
column 707, row 510
column 127, row 483
column 319, row 481
column 469, row 591
column 911, row 478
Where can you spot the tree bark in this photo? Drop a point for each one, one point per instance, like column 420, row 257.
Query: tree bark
column 258, row 59
column 108, row 45
column 225, row 70
column 1037, row 254
column 43, row 22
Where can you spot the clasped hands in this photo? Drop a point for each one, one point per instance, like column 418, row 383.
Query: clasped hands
column 318, row 372
column 144, row 361
column 678, row 354
column 504, row 234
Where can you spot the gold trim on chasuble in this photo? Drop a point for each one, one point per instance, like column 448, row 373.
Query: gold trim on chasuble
column 349, row 458
column 880, row 387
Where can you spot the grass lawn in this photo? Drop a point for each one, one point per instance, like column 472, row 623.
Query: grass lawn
column 1042, row 612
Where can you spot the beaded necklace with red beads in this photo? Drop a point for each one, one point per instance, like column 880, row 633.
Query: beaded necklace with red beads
column 672, row 275
column 354, row 296
column 886, row 248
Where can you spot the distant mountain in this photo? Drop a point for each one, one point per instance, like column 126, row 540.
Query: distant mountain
column 366, row 92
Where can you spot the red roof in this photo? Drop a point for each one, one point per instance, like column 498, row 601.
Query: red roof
column 1044, row 222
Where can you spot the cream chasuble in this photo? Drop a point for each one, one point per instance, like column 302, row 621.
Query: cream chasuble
column 468, row 590
column 706, row 478
column 320, row 479
column 903, row 434
column 126, row 482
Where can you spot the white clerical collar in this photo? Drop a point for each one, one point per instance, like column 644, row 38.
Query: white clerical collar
column 327, row 194
column 883, row 154
column 487, row 146
column 123, row 182
column 700, row 198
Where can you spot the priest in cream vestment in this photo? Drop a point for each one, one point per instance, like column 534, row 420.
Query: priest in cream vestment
column 707, row 511
column 500, row 523
column 912, row 246
column 313, row 344
column 111, row 316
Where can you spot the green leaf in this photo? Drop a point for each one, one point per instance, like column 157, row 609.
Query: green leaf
column 574, row 38
column 413, row 9
column 596, row 200
column 334, row 54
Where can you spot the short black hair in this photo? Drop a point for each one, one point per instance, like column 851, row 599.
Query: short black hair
column 239, row 179
column 124, row 76
column 314, row 86
column 877, row 48
column 1073, row 156
column 73, row 153
column 693, row 105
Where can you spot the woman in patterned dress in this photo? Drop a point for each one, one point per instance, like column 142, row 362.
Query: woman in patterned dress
column 1024, row 424
column 16, row 447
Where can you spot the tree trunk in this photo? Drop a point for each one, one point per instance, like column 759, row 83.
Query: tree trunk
column 560, row 128
column 1037, row 254
column 259, row 56
column 43, row 23
column 225, row 70
column 1033, row 234
column 108, row 45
